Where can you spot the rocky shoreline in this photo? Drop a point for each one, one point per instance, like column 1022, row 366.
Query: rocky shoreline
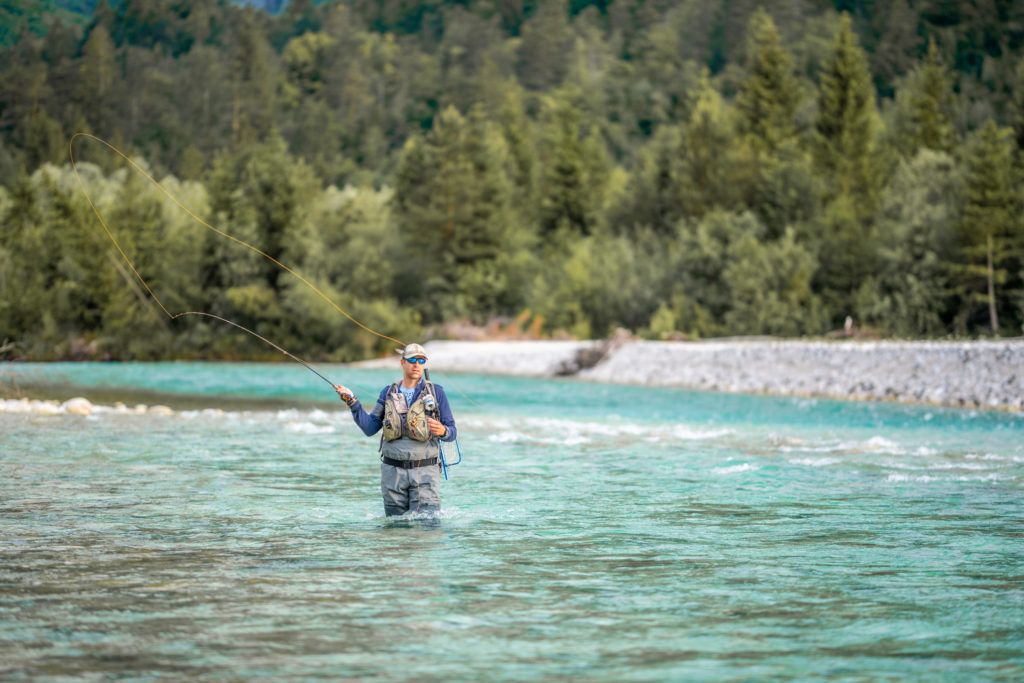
column 983, row 374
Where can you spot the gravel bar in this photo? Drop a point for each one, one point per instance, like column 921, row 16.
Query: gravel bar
column 985, row 374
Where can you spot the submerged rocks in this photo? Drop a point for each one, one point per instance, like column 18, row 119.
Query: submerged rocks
column 77, row 406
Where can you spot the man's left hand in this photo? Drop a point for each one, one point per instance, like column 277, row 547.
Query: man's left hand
column 436, row 428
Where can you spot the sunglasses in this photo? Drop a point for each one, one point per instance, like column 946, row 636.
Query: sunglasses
column 421, row 361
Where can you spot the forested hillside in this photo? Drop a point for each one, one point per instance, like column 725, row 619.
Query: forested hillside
column 675, row 167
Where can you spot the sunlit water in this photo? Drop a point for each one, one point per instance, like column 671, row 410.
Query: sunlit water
column 591, row 531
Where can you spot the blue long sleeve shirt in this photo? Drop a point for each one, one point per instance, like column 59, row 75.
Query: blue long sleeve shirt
column 371, row 422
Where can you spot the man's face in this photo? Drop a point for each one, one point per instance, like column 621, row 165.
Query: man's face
column 413, row 369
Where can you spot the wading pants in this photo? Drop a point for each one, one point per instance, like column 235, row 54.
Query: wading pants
column 413, row 490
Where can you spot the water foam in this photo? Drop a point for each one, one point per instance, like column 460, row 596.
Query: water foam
column 873, row 445
column 569, row 432
column 309, row 428
column 923, row 478
column 816, row 462
column 76, row 406
column 734, row 469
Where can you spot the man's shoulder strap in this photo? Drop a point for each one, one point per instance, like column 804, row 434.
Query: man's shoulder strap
column 429, row 386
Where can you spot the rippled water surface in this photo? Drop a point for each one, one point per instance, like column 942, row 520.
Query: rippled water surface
column 592, row 531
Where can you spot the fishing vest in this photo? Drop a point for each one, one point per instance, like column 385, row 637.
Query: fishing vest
column 405, row 420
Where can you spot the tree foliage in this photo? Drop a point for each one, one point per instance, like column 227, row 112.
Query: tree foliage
column 686, row 167
column 990, row 228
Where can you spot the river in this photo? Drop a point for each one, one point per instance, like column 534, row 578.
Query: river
column 591, row 531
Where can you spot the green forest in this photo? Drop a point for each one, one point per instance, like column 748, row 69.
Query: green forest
column 683, row 169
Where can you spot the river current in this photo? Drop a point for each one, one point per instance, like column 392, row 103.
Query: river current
column 591, row 531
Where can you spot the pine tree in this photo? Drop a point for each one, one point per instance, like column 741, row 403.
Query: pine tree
column 897, row 47
column 767, row 100
column 847, row 122
column 102, row 15
column 253, row 81
column 27, row 262
column 931, row 103
column 708, row 155
column 43, row 140
column 258, row 194
column 517, row 132
column 546, row 41
column 990, row 225
column 846, row 156
column 565, row 204
column 917, row 221
column 655, row 196
column 96, row 78
column 452, row 205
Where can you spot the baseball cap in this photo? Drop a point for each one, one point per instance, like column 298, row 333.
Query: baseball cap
column 413, row 351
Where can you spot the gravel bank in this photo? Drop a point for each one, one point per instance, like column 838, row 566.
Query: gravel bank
column 984, row 374
column 988, row 374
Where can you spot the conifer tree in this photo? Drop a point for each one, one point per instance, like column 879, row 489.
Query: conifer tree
column 258, row 194
column 517, row 129
column 767, row 100
column 43, row 140
column 96, row 71
column 565, row 202
column 102, row 15
column 846, row 156
column 208, row 111
column 199, row 23
column 253, row 81
column 931, row 113
column 27, row 263
column 708, row 155
column 897, row 46
column 454, row 219
column 655, row 196
column 300, row 16
column 915, row 245
column 545, row 46
column 847, row 123
column 60, row 44
column 304, row 58
column 990, row 226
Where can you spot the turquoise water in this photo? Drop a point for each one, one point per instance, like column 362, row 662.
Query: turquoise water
column 592, row 531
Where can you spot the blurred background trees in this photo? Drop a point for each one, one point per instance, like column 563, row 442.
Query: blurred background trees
column 680, row 168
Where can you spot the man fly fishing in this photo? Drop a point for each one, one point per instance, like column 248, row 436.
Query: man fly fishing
column 415, row 416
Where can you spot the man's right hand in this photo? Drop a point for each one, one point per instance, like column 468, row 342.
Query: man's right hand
column 345, row 394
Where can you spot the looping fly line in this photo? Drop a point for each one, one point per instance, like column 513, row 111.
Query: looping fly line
column 173, row 316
